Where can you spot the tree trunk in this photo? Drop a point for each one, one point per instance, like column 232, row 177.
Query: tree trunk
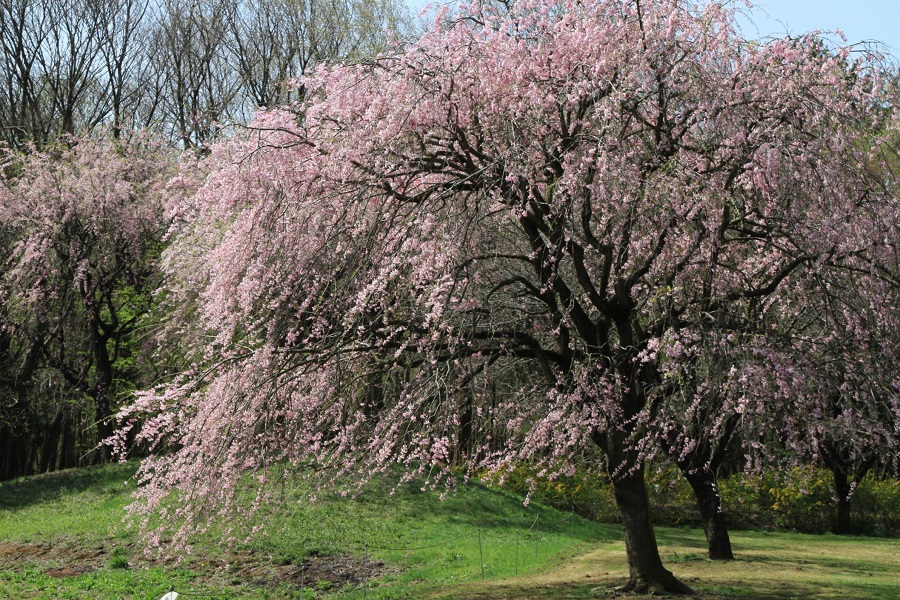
column 842, row 524
column 50, row 447
column 69, row 453
column 104, row 425
column 843, row 465
column 646, row 571
column 15, row 453
column 464, row 443
column 709, row 502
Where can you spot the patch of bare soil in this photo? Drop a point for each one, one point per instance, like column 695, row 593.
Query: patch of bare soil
column 60, row 560
column 70, row 560
column 333, row 572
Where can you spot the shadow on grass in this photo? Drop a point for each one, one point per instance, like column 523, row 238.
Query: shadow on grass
column 682, row 537
column 21, row 493
column 776, row 590
column 611, row 589
column 841, row 564
column 503, row 509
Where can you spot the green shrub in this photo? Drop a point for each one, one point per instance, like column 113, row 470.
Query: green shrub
column 804, row 500
column 875, row 507
column 585, row 493
column 800, row 500
column 671, row 497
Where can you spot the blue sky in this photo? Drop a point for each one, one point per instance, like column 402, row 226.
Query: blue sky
column 871, row 20
column 860, row 20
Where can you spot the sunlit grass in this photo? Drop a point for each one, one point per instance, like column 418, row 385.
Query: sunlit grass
column 769, row 566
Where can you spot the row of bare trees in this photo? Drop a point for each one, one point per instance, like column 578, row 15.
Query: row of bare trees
column 180, row 67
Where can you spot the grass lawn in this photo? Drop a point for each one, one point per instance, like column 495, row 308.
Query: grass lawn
column 769, row 566
column 62, row 536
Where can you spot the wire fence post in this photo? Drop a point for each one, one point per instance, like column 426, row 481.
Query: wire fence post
column 480, row 553
column 365, row 572
column 517, row 552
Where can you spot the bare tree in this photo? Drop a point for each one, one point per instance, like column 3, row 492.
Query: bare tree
column 273, row 42
column 23, row 28
column 133, row 90
column 182, row 67
column 199, row 86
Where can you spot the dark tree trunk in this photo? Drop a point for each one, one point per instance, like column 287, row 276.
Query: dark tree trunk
column 699, row 467
column 69, row 453
column 104, row 425
column 626, row 469
column 464, row 443
column 16, row 452
column 848, row 470
column 18, row 442
column 703, row 482
column 50, row 447
column 646, row 571
column 103, row 387
column 842, row 524
column 15, row 455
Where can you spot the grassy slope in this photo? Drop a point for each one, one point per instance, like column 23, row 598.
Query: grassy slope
column 422, row 547
column 423, row 543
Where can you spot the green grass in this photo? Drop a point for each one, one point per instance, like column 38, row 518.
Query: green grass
column 769, row 566
column 81, row 502
column 413, row 540
column 69, row 526
column 74, row 520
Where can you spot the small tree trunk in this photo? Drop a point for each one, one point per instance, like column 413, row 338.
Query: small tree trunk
column 9, row 467
column 646, row 571
column 69, row 454
column 710, row 504
column 104, row 425
column 464, row 443
column 50, row 447
column 843, row 465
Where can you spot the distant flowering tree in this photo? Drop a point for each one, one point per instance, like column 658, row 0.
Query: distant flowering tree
column 834, row 380
column 86, row 222
column 539, row 218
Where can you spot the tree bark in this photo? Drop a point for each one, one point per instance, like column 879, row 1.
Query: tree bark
column 69, row 454
column 646, row 571
column 103, row 365
column 50, row 447
column 848, row 471
column 700, row 466
column 709, row 502
column 104, row 425
column 842, row 523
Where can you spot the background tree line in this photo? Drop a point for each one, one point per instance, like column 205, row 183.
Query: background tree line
column 78, row 276
column 181, row 68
